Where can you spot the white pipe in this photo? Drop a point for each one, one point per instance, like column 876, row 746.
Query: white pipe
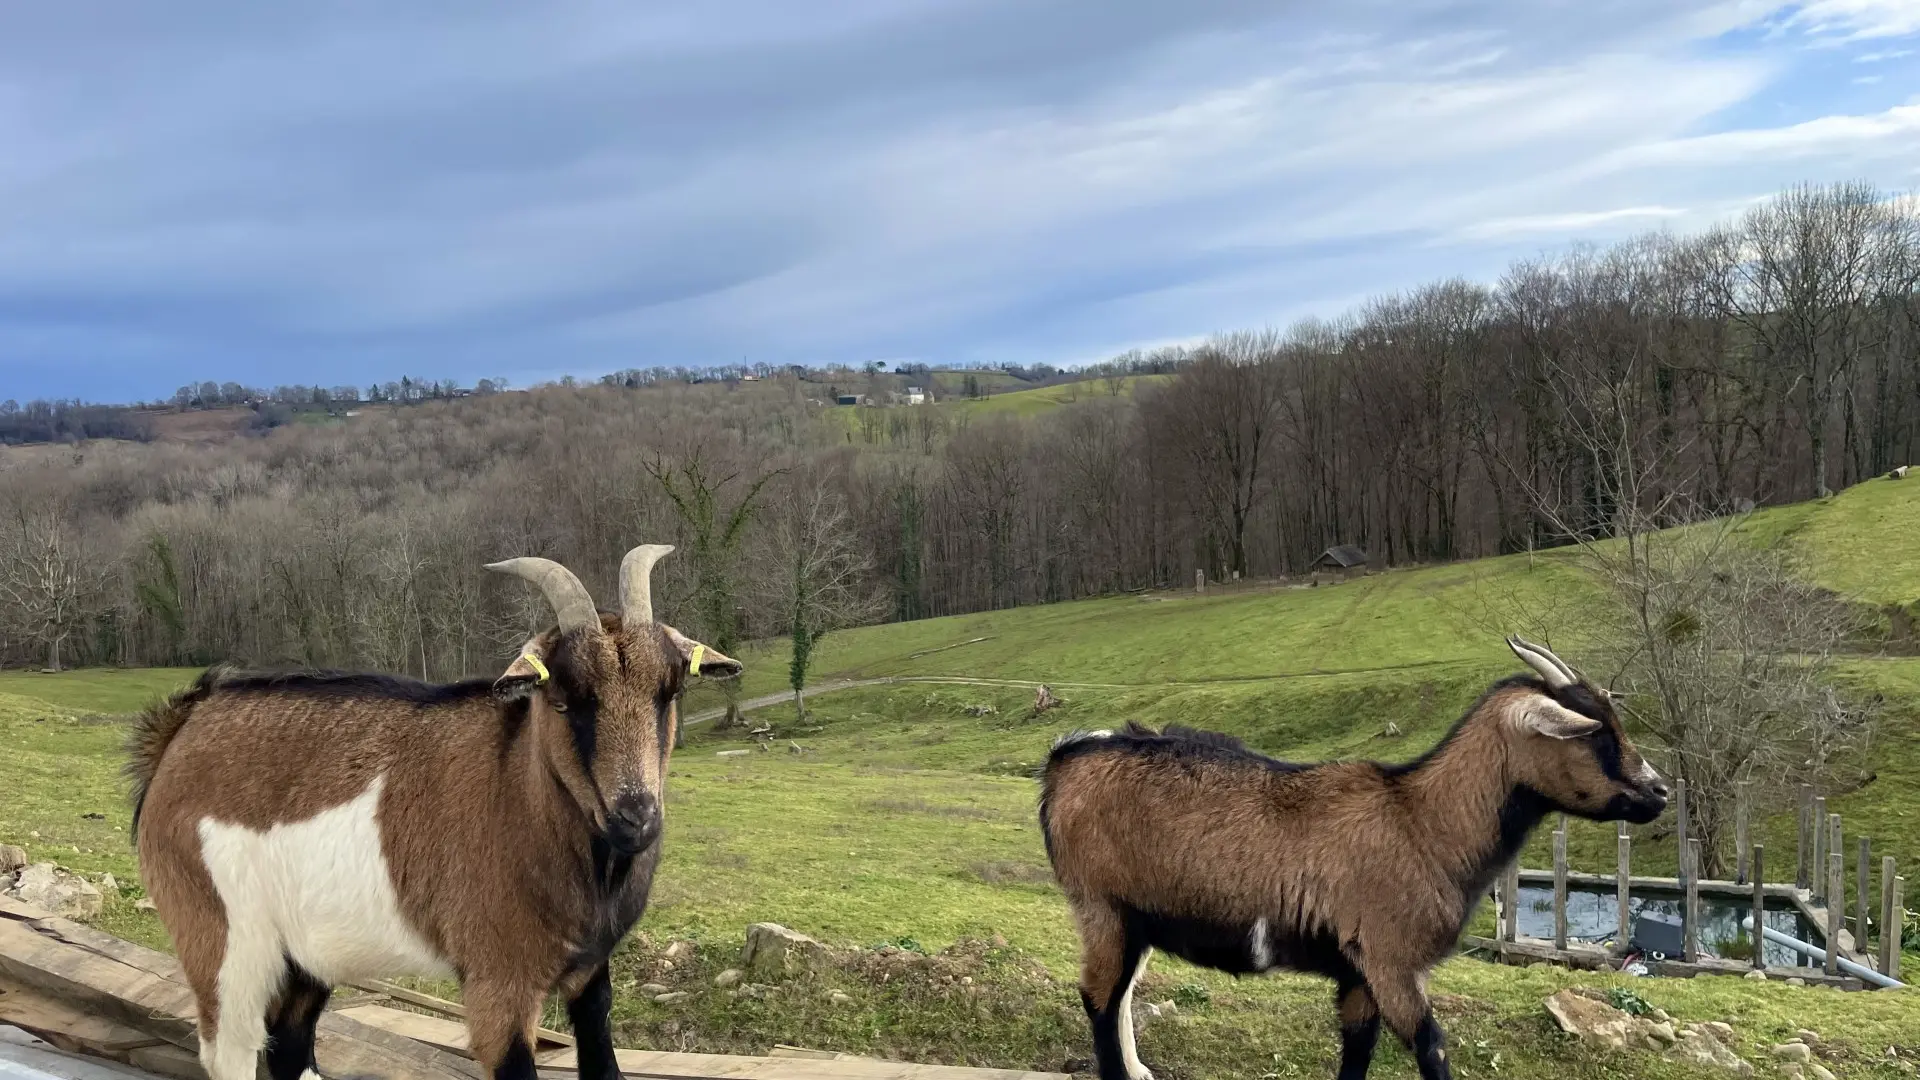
column 1865, row 974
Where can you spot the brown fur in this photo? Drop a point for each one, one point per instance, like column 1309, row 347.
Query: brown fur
column 1376, row 866
column 488, row 818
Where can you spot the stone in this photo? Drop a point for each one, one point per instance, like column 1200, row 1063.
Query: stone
column 653, row 988
column 64, row 894
column 1721, row 1029
column 1660, row 1035
column 1701, row 1048
column 1808, row 1036
column 774, row 952
column 1756, row 975
column 12, row 857
column 107, row 882
column 672, row 997
column 143, row 904
column 1819, row 1071
column 1796, row 981
column 727, row 978
column 840, row 997
column 1659, row 1016
column 1168, row 1008
column 1591, row 1020
column 1794, row 1051
column 1793, row 1071
column 678, row 949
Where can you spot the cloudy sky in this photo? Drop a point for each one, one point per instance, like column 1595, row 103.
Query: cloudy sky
column 346, row 192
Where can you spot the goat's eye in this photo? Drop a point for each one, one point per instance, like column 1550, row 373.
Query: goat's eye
column 559, row 706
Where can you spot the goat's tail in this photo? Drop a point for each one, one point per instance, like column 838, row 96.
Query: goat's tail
column 153, row 731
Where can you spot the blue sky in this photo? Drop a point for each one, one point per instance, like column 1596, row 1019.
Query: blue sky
column 353, row 191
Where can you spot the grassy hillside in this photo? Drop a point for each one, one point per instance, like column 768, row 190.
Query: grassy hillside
column 1045, row 398
column 908, row 815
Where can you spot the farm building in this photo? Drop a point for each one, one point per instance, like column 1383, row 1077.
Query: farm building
column 1345, row 559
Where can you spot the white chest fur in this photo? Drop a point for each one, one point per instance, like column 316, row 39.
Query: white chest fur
column 318, row 891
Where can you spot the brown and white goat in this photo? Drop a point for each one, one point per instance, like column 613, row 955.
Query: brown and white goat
column 1187, row 841
column 298, row 831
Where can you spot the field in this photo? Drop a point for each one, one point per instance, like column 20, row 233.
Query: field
column 909, row 817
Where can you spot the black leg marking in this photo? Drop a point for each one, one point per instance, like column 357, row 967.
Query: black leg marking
column 517, row 1063
column 1359, row 1029
column 1430, row 1050
column 592, row 1034
column 290, row 1025
column 1108, row 1049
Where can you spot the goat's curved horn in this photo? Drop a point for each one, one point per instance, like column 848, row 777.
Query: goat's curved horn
column 572, row 604
column 636, row 583
column 1550, row 667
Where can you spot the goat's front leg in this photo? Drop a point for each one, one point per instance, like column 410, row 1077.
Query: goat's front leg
column 1402, row 1001
column 588, row 1009
column 501, row 1017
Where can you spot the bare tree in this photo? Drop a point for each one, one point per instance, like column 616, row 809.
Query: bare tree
column 52, row 577
column 816, row 571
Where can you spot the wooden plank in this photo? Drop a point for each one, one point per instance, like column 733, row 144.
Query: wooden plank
column 1860, row 898
column 1512, row 913
column 1690, row 909
column 1887, row 948
column 449, row 1035
column 96, row 983
column 1642, row 882
column 1759, row 907
column 1623, row 884
column 1800, row 853
column 548, row 1038
column 1836, row 905
column 1819, row 867
column 1894, row 927
column 1560, row 887
column 23, row 1055
column 1742, row 800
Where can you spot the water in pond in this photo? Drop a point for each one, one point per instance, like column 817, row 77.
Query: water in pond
column 1593, row 916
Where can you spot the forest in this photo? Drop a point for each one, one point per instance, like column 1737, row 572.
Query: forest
column 1774, row 357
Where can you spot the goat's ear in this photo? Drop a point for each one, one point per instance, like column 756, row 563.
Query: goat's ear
column 1544, row 716
column 527, row 672
column 702, row 660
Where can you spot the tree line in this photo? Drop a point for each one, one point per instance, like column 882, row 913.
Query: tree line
column 1771, row 358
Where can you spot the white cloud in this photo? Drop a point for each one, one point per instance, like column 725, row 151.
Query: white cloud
column 1856, row 20
column 1574, row 223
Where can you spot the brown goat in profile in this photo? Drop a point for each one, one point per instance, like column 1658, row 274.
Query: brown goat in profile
column 1363, row 872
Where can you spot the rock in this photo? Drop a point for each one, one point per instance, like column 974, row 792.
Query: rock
column 143, row 904
column 1721, row 1030
column 58, row 891
column 1819, row 1071
column 1805, row 1035
column 1756, row 975
column 1660, row 1035
column 107, row 882
column 732, row 753
column 840, row 997
column 775, row 952
column 1796, row 981
column 12, row 857
column 1794, row 1051
column 1168, row 1008
column 727, row 978
column 653, row 989
column 1700, row 1047
column 1792, row 1071
column 672, row 997
column 1590, row 1020
column 1659, row 1016
column 678, row 949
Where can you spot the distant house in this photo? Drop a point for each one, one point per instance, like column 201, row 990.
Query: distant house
column 1342, row 558
column 916, row 395
column 850, row 399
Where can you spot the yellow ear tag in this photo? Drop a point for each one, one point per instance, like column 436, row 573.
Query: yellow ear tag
column 693, row 665
column 537, row 665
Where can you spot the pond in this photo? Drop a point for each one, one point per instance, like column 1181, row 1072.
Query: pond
column 1593, row 917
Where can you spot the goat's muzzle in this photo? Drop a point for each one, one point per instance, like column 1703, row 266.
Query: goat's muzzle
column 633, row 822
column 1644, row 802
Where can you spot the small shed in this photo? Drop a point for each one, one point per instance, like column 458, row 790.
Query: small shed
column 851, row 399
column 1344, row 558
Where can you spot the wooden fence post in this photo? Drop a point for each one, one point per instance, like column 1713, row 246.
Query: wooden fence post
column 1759, row 907
column 1819, row 866
column 1887, row 947
column 1680, row 827
column 1513, row 910
column 1860, row 899
column 1741, row 794
column 1623, row 885
column 1690, row 914
column 1200, row 582
column 1894, row 928
column 1560, row 887
column 1835, row 847
column 1800, row 853
column 1836, row 903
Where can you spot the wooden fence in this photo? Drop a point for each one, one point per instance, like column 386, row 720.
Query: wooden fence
column 1819, row 898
